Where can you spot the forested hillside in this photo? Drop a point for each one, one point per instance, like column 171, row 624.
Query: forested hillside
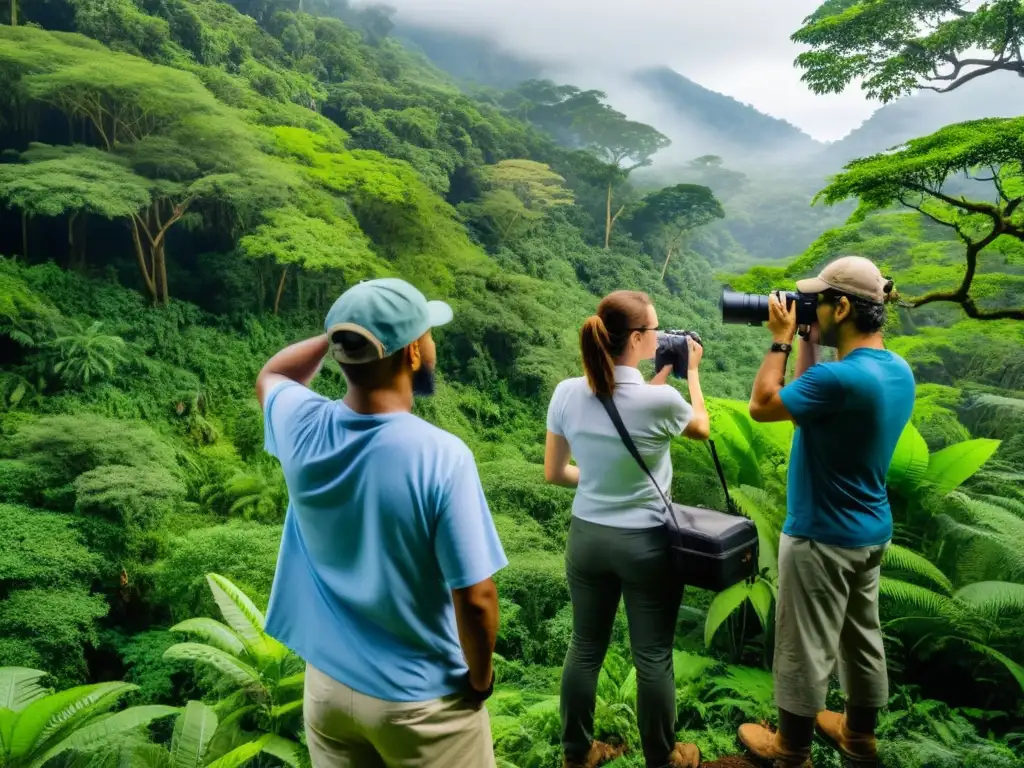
column 188, row 184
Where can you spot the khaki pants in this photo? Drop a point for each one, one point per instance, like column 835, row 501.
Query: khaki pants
column 346, row 729
column 827, row 613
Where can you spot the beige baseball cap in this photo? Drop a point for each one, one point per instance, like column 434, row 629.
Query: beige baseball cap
column 853, row 275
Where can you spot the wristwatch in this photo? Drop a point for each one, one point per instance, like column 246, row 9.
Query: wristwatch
column 778, row 346
column 479, row 696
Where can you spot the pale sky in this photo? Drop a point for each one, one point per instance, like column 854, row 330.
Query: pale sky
column 737, row 47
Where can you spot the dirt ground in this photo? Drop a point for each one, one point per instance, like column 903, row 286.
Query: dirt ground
column 730, row 762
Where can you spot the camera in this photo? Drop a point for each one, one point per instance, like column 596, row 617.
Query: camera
column 674, row 350
column 752, row 309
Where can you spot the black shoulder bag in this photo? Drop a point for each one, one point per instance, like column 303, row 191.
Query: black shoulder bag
column 713, row 550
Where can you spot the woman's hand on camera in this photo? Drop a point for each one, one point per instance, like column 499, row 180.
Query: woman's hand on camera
column 696, row 352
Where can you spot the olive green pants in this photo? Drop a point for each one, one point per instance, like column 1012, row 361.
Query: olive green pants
column 602, row 565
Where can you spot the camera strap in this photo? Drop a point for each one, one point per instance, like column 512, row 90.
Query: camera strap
column 616, row 418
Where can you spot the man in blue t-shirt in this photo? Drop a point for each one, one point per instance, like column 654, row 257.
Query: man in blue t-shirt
column 383, row 581
column 849, row 415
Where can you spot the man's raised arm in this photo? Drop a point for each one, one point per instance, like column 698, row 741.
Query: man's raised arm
column 298, row 362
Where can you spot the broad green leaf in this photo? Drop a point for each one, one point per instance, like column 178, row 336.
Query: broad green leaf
column 287, row 751
column 295, row 684
column 245, row 619
column 286, row 709
column 1012, row 666
column 106, row 731
column 19, row 687
column 234, row 669
column 761, row 597
column 899, row 558
column 722, row 607
column 192, row 733
column 240, row 755
column 47, row 720
column 763, row 509
column 952, row 466
column 213, row 633
column 909, row 465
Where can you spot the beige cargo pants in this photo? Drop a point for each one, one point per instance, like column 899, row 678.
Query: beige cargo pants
column 827, row 613
column 346, row 729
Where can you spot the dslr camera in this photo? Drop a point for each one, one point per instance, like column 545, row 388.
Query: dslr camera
column 674, row 350
column 752, row 309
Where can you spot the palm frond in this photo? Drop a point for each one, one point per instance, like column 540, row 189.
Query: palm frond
column 212, row 632
column 106, row 730
column 19, row 687
column 245, row 619
column 192, row 734
column 235, row 670
column 47, row 720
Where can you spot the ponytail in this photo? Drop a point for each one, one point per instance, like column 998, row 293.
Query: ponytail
column 598, row 364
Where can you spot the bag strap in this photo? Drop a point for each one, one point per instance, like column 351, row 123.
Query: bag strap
column 613, row 413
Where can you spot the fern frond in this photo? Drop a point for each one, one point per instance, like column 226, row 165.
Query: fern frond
column 993, row 599
column 908, row 561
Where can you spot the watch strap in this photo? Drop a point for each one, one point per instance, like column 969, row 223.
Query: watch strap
column 778, row 346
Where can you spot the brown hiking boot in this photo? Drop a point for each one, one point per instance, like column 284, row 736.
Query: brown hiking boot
column 768, row 745
column 685, row 756
column 860, row 749
column 600, row 753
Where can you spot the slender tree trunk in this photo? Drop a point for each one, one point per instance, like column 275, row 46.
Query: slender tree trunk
column 280, row 290
column 140, row 257
column 609, row 219
column 14, row 13
column 664, row 268
column 25, row 218
column 510, row 225
column 160, row 266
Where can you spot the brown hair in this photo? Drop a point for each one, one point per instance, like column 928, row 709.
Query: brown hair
column 604, row 335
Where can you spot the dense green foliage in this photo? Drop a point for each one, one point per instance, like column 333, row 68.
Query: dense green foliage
column 189, row 184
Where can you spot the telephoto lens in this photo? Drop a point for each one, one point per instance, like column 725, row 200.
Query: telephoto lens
column 752, row 309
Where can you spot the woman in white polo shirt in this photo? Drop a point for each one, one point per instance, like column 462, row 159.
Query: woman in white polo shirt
column 617, row 543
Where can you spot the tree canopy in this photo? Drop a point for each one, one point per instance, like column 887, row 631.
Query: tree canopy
column 667, row 215
column 896, row 48
column 919, row 176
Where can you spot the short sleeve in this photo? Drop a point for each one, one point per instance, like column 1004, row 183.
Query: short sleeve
column 466, row 542
column 555, row 410
column 818, row 392
column 287, row 413
column 676, row 411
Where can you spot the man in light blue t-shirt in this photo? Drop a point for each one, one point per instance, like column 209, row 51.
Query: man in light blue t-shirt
column 383, row 581
column 849, row 415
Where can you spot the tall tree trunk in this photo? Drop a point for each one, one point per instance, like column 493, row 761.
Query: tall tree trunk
column 664, row 269
column 140, row 257
column 609, row 219
column 160, row 268
column 155, row 243
column 14, row 13
column 280, row 290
